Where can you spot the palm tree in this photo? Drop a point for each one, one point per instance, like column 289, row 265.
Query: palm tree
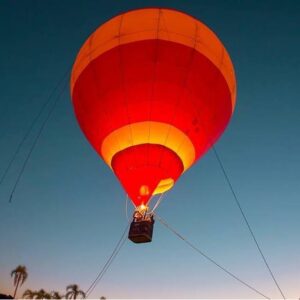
column 20, row 275
column 56, row 295
column 42, row 294
column 73, row 292
column 29, row 294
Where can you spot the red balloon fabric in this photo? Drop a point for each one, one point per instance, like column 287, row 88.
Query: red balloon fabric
column 152, row 96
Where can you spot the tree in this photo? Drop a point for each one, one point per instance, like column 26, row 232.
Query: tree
column 20, row 275
column 29, row 294
column 56, row 295
column 42, row 294
column 3, row 296
column 73, row 292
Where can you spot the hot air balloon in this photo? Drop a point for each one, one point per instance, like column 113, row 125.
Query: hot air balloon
column 152, row 90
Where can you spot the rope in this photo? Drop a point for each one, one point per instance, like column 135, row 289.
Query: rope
column 36, row 140
column 158, row 202
column 32, row 125
column 108, row 262
column 209, row 258
column 246, row 220
column 126, row 208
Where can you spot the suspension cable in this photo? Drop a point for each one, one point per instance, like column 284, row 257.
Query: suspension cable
column 108, row 263
column 246, row 220
column 163, row 222
column 159, row 200
column 36, row 140
column 126, row 207
column 34, row 121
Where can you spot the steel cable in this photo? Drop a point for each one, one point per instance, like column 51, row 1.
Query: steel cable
column 108, row 263
column 209, row 258
column 246, row 220
column 35, row 141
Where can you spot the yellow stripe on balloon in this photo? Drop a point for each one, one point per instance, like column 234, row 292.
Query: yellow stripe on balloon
column 163, row 186
column 149, row 133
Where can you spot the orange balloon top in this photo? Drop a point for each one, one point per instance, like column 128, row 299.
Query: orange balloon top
column 156, row 23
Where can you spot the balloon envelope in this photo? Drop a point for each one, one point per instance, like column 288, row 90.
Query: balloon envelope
column 152, row 90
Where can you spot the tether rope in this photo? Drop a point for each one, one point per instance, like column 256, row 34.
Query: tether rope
column 27, row 133
column 108, row 263
column 126, row 208
column 36, row 140
column 159, row 200
column 246, row 220
column 209, row 258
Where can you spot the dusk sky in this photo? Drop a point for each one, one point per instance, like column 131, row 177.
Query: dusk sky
column 68, row 211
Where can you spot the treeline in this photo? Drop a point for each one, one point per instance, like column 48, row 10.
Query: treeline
column 20, row 274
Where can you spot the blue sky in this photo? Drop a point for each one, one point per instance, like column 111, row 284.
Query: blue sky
column 69, row 211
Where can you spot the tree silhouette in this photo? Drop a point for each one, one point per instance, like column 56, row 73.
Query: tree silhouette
column 29, row 294
column 56, row 295
column 20, row 275
column 73, row 292
column 42, row 294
